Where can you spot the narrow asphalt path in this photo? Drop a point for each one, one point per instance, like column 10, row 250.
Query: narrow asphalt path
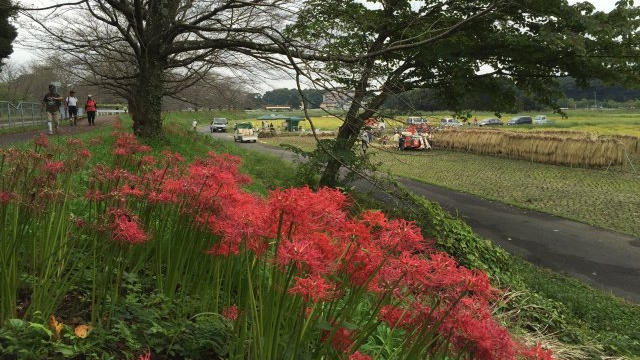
column 63, row 130
column 605, row 259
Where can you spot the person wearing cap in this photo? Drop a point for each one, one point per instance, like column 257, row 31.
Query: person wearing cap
column 71, row 103
column 52, row 101
column 90, row 107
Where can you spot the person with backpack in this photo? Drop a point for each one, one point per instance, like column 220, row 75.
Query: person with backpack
column 90, row 107
column 71, row 103
column 52, row 101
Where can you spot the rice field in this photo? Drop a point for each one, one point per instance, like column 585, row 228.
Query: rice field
column 572, row 149
column 604, row 198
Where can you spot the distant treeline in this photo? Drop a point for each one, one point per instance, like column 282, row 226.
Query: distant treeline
column 597, row 94
column 290, row 97
column 598, row 91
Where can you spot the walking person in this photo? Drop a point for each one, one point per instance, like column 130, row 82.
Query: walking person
column 364, row 138
column 71, row 103
column 52, row 101
column 90, row 107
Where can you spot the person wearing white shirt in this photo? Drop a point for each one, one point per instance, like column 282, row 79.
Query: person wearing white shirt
column 71, row 103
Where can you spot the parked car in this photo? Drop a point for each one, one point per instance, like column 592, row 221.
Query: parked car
column 490, row 122
column 218, row 124
column 541, row 120
column 520, row 120
column 414, row 120
column 450, row 122
column 244, row 132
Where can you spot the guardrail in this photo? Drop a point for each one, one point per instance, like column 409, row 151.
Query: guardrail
column 109, row 111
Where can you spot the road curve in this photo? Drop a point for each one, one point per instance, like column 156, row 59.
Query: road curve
column 605, row 259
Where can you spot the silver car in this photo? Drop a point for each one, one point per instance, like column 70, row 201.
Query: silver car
column 541, row 120
column 218, row 124
column 450, row 122
column 490, row 122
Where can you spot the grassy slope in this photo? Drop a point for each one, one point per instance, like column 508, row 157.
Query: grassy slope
column 538, row 300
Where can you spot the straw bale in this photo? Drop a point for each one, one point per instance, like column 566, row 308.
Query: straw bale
column 551, row 147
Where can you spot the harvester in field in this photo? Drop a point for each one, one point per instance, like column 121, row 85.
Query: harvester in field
column 413, row 138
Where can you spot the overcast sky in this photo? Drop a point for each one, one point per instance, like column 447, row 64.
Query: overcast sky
column 21, row 55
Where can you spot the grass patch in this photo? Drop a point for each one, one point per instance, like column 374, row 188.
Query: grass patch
column 607, row 199
column 19, row 129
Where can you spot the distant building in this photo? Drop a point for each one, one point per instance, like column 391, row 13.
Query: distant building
column 336, row 100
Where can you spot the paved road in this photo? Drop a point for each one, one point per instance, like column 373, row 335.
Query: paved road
column 83, row 126
column 602, row 258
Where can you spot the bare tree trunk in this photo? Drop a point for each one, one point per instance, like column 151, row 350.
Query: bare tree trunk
column 145, row 103
column 347, row 136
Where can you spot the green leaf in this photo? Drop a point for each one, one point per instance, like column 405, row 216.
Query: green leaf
column 324, row 325
column 16, row 323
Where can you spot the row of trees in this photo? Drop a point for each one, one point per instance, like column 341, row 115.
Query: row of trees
column 312, row 98
column 29, row 82
column 145, row 51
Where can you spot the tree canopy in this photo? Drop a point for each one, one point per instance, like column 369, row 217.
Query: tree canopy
column 498, row 49
column 8, row 32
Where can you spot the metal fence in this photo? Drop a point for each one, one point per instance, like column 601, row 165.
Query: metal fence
column 21, row 114
column 27, row 114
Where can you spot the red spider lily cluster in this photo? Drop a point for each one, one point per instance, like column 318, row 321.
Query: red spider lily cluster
column 328, row 256
column 31, row 177
column 332, row 253
column 230, row 312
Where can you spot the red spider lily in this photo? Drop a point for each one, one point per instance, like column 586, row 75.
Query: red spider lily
column 84, row 153
column 143, row 149
column 314, row 288
column 53, row 167
column 94, row 195
column 328, row 251
column 396, row 317
column 127, row 144
column 42, row 141
column 342, row 340
column 128, row 190
column 536, row 353
column 75, row 142
column 172, row 158
column 121, row 152
column 125, row 228
column 306, row 210
column 230, row 312
column 147, row 160
column 358, row 356
column 145, row 356
column 5, row 197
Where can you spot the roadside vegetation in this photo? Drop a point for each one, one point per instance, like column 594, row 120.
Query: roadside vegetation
column 585, row 323
column 174, row 252
column 577, row 321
